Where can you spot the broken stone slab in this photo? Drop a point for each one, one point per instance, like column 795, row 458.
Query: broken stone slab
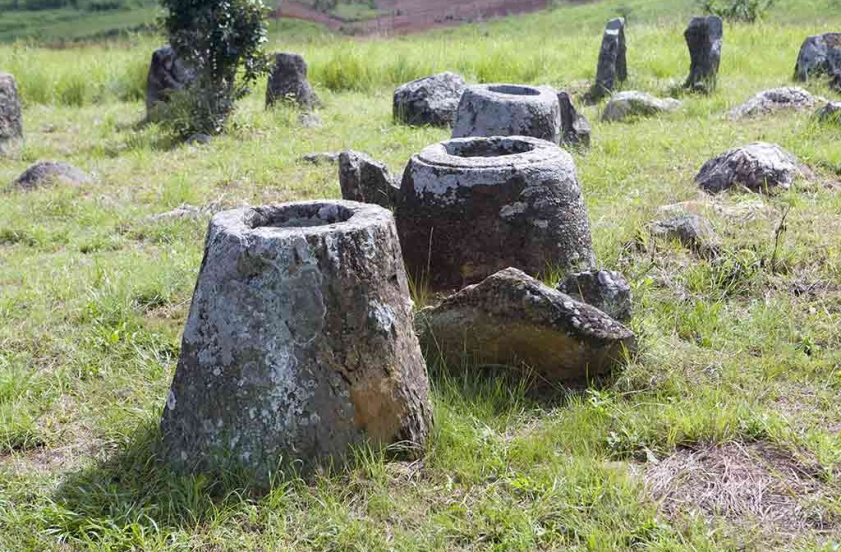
column 186, row 212
column 830, row 113
column 11, row 114
column 633, row 104
column 288, row 82
column 46, row 173
column 431, row 101
column 513, row 319
column 606, row 290
column 692, row 231
column 760, row 167
column 575, row 129
column 704, row 39
column 820, row 55
column 321, row 158
column 612, row 66
column 365, row 180
column 168, row 74
column 776, row 99
column 470, row 207
column 299, row 345
column 487, row 110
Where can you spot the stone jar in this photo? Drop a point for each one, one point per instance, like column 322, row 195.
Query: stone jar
column 473, row 206
column 299, row 344
column 508, row 110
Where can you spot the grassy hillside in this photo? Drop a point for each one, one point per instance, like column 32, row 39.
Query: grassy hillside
column 739, row 361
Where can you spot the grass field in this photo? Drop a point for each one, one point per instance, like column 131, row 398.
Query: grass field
column 731, row 405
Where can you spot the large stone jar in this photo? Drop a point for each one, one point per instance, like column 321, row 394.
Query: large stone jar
column 471, row 207
column 299, row 343
column 508, row 110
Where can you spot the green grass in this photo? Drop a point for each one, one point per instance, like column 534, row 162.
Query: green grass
column 93, row 297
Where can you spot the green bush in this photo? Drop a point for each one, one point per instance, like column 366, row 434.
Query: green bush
column 747, row 11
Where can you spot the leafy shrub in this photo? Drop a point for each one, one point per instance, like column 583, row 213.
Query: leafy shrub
column 747, row 11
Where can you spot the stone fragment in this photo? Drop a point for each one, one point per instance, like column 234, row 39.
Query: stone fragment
column 575, row 129
column 11, row 114
column 321, row 158
column 830, row 113
column 45, row 173
column 759, row 167
column 704, row 38
column 606, row 290
column 512, row 319
column 473, row 206
column 365, row 180
column 633, row 104
column 429, row 101
column 508, row 110
column 820, row 55
column 168, row 74
column 692, row 231
column 288, row 82
column 776, row 99
column 612, row 68
column 299, row 345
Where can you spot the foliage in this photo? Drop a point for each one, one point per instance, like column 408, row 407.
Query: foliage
column 746, row 11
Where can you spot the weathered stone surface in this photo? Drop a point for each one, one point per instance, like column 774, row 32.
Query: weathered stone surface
column 429, row 101
column 167, row 74
column 830, row 113
column 508, row 110
column 299, row 343
column 633, row 104
column 612, row 67
column 288, row 82
column 820, row 55
column 321, row 158
column 575, row 129
column 692, row 231
column 759, row 166
column 367, row 181
column 45, row 173
column 471, row 207
column 704, row 38
column 776, row 99
column 513, row 319
column 11, row 114
column 606, row 290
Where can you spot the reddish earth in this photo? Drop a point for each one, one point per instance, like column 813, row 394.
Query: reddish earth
column 406, row 16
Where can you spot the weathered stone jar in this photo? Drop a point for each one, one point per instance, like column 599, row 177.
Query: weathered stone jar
column 299, row 343
column 508, row 110
column 471, row 207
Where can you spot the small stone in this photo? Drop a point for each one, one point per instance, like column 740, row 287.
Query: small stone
column 776, row 99
column 429, row 101
column 759, row 167
column 321, row 158
column 45, row 173
column 168, row 74
column 512, row 319
column 365, row 180
column 11, row 114
column 612, row 67
column 820, row 55
column 633, row 104
column 704, row 38
column 830, row 113
column 575, row 129
column 692, row 231
column 606, row 290
column 288, row 82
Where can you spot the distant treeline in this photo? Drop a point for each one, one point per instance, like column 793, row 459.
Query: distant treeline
column 84, row 5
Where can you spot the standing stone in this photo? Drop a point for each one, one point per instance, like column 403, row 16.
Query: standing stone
column 299, row 345
column 820, row 55
column 429, row 101
column 508, row 110
column 613, row 66
column 11, row 114
column 606, row 290
column 367, row 181
column 167, row 74
column 759, row 167
column 471, row 207
column 288, row 82
column 575, row 129
column 704, row 39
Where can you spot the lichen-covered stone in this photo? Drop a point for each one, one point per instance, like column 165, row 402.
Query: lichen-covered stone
column 367, row 181
column 606, row 290
column 704, row 39
column 820, row 55
column 776, row 99
column 45, row 173
column 759, row 167
column 168, row 74
column 299, row 344
column 612, row 66
column 575, row 129
column 508, row 110
column 512, row 319
column 471, row 207
column 692, row 231
column 634, row 104
column 830, row 113
column 288, row 82
column 429, row 101
column 11, row 114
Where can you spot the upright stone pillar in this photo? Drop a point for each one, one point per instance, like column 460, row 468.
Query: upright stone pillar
column 613, row 65
column 704, row 37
